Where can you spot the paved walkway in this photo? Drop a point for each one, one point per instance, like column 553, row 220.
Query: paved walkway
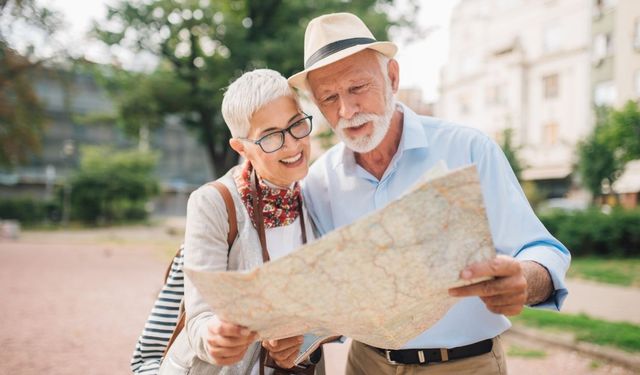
column 74, row 303
column 608, row 302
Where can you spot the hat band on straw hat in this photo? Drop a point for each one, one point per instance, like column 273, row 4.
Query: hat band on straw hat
column 334, row 47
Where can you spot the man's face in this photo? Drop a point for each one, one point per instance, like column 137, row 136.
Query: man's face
column 355, row 98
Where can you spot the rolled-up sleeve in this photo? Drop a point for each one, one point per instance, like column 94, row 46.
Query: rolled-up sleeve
column 206, row 249
column 515, row 228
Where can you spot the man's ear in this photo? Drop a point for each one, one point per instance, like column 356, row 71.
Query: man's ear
column 237, row 146
column 394, row 74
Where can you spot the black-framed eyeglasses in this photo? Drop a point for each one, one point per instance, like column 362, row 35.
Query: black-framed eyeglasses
column 274, row 141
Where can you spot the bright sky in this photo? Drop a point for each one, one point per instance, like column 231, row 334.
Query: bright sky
column 420, row 60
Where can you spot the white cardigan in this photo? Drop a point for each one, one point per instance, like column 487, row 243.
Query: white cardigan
column 206, row 249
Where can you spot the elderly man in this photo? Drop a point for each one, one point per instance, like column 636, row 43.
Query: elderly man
column 385, row 148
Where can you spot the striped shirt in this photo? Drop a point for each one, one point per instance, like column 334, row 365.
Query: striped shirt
column 161, row 322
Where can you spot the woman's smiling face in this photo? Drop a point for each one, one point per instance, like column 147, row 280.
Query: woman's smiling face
column 289, row 163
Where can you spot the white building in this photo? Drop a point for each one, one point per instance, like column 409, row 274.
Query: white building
column 523, row 64
column 615, row 54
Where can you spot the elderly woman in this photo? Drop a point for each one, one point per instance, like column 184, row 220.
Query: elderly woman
column 271, row 132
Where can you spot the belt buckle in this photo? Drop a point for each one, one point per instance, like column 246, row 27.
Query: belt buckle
column 421, row 357
column 387, row 354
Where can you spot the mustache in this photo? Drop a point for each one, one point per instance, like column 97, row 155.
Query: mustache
column 357, row 120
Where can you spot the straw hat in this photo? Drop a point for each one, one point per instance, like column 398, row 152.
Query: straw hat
column 332, row 37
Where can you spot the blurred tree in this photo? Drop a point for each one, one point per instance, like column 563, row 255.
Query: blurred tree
column 21, row 115
column 511, row 152
column 202, row 45
column 624, row 134
column 112, row 185
column 597, row 162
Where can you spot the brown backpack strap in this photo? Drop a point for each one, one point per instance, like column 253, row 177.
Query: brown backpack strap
column 178, row 329
column 233, row 232
column 168, row 271
column 231, row 211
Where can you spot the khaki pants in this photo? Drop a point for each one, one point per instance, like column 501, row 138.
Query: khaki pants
column 364, row 360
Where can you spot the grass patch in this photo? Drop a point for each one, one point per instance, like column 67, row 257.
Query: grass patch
column 594, row 365
column 625, row 336
column 520, row 351
column 618, row 271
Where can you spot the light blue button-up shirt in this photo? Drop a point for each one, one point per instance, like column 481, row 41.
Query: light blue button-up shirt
column 337, row 191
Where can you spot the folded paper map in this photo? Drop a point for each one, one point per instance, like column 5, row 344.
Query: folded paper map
column 381, row 280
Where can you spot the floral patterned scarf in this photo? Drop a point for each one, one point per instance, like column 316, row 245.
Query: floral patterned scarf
column 280, row 206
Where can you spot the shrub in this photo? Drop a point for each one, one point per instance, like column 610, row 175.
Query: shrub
column 592, row 232
column 29, row 211
column 112, row 185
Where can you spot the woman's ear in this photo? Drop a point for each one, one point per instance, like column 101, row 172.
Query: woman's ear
column 237, row 146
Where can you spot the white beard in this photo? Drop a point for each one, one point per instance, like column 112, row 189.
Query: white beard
column 380, row 126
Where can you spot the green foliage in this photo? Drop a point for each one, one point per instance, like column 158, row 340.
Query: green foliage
column 535, row 195
column 202, row 45
column 21, row 113
column 624, row 134
column 593, row 233
column 596, row 159
column 520, row 351
column 29, row 211
column 625, row 336
column 112, row 185
column 511, row 152
column 620, row 271
column 327, row 138
column 614, row 141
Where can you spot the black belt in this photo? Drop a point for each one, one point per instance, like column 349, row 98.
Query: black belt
column 424, row 356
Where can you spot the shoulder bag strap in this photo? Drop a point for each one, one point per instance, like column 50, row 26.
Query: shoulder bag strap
column 231, row 212
column 257, row 212
column 231, row 236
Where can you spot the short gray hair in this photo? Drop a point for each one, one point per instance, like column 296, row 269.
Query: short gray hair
column 250, row 92
column 383, row 62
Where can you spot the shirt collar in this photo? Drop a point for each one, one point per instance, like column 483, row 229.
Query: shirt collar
column 413, row 133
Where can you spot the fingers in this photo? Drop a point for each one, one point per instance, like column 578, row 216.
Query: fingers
column 284, row 351
column 505, row 294
column 276, row 346
column 500, row 286
column 229, row 345
column 224, row 328
column 227, row 342
column 226, row 361
column 288, row 361
column 511, row 308
column 499, row 266
column 506, row 304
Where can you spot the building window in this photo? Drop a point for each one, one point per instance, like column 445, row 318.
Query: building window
column 605, row 94
column 550, row 136
column 602, row 47
column 550, row 85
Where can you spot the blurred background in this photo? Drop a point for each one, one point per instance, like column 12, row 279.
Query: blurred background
column 110, row 117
